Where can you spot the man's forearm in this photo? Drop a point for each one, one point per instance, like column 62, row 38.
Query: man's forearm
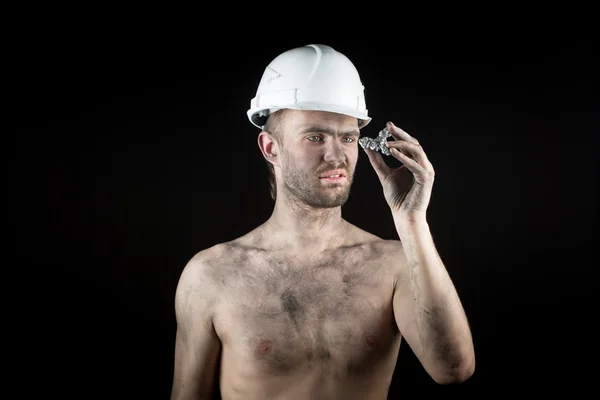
column 442, row 325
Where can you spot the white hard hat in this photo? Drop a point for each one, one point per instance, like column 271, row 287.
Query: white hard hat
column 313, row 77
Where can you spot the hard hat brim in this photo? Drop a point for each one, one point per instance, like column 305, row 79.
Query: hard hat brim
column 258, row 116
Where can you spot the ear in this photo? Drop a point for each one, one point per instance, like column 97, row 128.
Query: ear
column 268, row 146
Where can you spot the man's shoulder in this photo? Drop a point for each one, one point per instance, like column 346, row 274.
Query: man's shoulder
column 217, row 258
column 209, row 258
column 209, row 255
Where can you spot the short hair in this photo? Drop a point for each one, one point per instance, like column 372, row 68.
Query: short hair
column 275, row 126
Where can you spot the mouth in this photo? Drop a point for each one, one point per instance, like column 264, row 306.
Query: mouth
column 336, row 173
column 333, row 176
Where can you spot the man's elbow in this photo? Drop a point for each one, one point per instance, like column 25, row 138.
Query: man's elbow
column 459, row 372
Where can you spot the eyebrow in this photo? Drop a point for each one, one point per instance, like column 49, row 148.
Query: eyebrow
column 328, row 131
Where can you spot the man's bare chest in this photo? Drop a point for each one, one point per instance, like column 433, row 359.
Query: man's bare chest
column 281, row 315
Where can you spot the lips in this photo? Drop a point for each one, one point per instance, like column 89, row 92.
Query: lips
column 338, row 173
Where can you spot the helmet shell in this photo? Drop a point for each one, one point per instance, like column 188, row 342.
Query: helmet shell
column 313, row 77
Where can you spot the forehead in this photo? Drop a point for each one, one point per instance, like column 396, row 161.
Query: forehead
column 300, row 120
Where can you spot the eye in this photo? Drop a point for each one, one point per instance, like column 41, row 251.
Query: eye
column 349, row 139
column 314, row 138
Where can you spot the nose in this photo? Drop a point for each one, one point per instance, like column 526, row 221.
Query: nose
column 334, row 153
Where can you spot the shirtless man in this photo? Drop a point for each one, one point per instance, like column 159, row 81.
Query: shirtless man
column 308, row 306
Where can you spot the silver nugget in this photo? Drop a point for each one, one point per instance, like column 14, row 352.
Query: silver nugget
column 378, row 143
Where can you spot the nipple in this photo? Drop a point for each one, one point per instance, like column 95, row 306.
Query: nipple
column 371, row 341
column 264, row 347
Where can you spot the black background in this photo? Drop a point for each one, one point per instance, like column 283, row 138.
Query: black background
column 134, row 152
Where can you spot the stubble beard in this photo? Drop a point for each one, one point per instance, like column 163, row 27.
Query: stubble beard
column 306, row 187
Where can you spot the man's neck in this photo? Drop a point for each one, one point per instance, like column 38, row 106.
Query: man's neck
column 300, row 227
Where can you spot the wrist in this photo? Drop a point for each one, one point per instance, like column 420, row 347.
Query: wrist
column 407, row 224
column 410, row 219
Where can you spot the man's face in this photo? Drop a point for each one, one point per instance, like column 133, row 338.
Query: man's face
column 318, row 145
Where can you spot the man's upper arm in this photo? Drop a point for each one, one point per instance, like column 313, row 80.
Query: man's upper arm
column 404, row 304
column 197, row 346
column 430, row 317
column 405, row 315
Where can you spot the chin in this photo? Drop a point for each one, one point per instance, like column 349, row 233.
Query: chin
column 329, row 202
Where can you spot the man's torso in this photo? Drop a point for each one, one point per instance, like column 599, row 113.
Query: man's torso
column 306, row 326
